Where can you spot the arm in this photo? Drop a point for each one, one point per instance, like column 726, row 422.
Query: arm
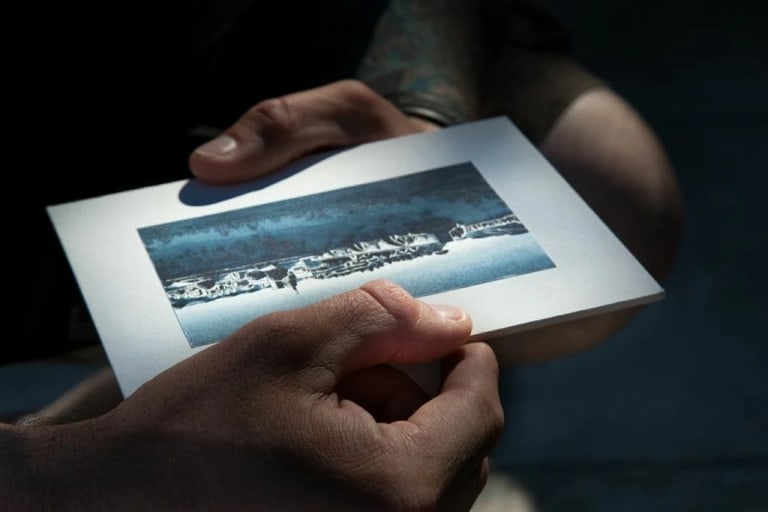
column 423, row 69
column 427, row 57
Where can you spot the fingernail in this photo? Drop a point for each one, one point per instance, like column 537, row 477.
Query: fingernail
column 449, row 312
column 220, row 146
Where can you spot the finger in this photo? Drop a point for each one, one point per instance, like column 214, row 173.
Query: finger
column 386, row 393
column 378, row 323
column 465, row 419
column 279, row 130
column 448, row 439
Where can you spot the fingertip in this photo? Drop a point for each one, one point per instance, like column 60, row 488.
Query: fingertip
column 405, row 330
column 482, row 350
column 213, row 162
column 222, row 146
column 233, row 156
column 478, row 354
column 467, row 412
column 472, row 369
column 386, row 287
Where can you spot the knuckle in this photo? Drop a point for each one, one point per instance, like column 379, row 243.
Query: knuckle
column 353, row 305
column 358, row 93
column 273, row 115
column 495, row 420
column 494, row 417
column 366, row 107
column 488, row 355
column 375, row 317
column 366, row 115
column 275, row 339
column 393, row 300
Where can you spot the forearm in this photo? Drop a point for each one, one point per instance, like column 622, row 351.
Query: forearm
column 431, row 54
column 47, row 468
column 90, row 465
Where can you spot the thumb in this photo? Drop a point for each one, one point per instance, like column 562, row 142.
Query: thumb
column 378, row 323
column 279, row 130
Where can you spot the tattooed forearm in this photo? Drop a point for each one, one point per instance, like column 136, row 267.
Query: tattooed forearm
column 427, row 57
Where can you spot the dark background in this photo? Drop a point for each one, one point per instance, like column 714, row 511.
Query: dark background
column 672, row 414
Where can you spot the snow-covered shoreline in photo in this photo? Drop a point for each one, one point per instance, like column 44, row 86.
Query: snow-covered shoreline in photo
column 468, row 262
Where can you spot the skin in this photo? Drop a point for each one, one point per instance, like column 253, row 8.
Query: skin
column 277, row 131
column 297, row 410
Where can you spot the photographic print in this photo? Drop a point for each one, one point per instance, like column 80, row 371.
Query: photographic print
column 433, row 231
column 471, row 215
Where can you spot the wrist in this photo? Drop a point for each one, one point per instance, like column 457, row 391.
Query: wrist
column 48, row 467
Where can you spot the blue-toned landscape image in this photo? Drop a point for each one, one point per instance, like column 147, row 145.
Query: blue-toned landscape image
column 429, row 232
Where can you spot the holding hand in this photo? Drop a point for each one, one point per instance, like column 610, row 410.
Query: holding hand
column 277, row 131
column 297, row 410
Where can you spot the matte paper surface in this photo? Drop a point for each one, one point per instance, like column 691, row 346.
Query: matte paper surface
column 471, row 215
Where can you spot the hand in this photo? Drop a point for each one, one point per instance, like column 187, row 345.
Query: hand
column 297, row 410
column 277, row 131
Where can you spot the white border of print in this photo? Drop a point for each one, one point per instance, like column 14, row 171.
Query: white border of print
column 594, row 272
